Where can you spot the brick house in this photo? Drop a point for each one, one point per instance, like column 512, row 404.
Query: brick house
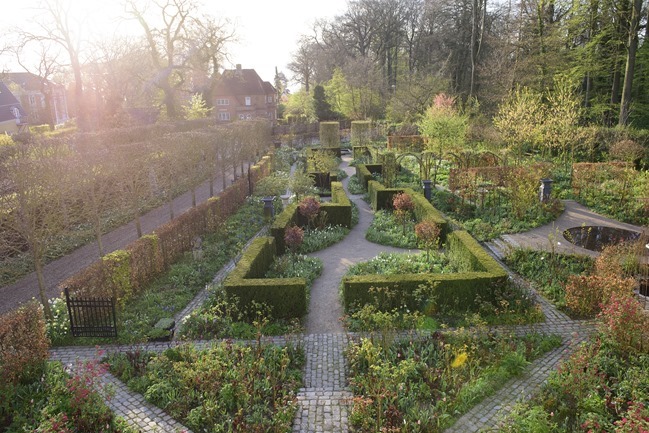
column 43, row 100
column 241, row 94
column 12, row 115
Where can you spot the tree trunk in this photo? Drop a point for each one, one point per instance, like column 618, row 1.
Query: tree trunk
column 100, row 243
column 625, row 105
column 138, row 224
column 38, row 267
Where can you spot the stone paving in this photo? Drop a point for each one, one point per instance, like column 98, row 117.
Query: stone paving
column 325, row 399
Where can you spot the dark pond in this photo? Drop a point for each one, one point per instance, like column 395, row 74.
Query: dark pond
column 596, row 238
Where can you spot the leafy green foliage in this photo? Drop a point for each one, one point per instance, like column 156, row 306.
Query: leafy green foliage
column 548, row 271
column 196, row 107
column 229, row 387
column 220, row 317
column 321, row 238
column 489, row 221
column 393, row 264
column 386, row 230
column 422, row 385
column 599, row 388
column 58, row 402
column 354, row 185
column 296, row 265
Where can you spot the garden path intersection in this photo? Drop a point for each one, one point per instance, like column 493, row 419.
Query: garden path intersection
column 325, row 399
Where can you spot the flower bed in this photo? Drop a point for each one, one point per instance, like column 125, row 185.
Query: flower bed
column 421, row 385
column 228, row 387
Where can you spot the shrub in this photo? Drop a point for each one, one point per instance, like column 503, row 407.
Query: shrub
column 329, row 134
column 309, row 208
column 586, row 295
column 626, row 150
column 428, row 234
column 360, row 135
column 624, row 321
column 23, row 344
column 403, row 206
column 293, row 238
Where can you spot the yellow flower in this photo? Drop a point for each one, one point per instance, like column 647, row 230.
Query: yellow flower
column 459, row 360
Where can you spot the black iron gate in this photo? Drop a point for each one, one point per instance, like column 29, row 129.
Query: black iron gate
column 91, row 317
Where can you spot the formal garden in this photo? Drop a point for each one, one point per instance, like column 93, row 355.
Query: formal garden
column 421, row 320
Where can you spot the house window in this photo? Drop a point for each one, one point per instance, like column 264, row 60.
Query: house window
column 32, row 100
column 222, row 102
column 248, row 100
column 269, row 99
column 242, row 117
column 224, row 115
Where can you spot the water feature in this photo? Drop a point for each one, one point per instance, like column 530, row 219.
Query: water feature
column 596, row 238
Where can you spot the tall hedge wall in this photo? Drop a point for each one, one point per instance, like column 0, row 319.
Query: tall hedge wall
column 360, row 135
column 459, row 291
column 246, row 283
column 330, row 134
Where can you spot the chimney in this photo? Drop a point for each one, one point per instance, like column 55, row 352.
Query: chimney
column 238, row 66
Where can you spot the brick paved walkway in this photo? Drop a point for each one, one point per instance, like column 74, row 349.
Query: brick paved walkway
column 324, row 400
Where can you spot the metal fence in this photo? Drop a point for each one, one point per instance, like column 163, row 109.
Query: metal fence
column 91, row 317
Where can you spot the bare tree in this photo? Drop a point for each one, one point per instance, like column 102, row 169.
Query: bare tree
column 303, row 63
column 53, row 25
column 179, row 42
column 30, row 208
column 166, row 44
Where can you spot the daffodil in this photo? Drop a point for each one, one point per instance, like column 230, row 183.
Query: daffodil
column 459, row 360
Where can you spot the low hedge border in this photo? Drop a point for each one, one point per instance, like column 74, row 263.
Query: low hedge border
column 246, row 283
column 458, row 291
column 339, row 212
column 339, row 209
column 381, row 198
column 364, row 173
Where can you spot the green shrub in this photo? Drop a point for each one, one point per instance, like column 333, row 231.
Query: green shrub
column 286, row 297
column 338, row 212
column 330, row 134
column 480, row 275
column 366, row 172
column 360, row 134
column 385, row 230
column 229, row 387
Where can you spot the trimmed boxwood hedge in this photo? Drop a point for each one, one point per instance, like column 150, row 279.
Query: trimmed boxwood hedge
column 246, row 283
column 339, row 212
column 381, row 198
column 330, row 134
column 364, row 172
column 458, row 291
column 339, row 209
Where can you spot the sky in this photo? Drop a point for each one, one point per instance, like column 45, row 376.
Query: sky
column 267, row 30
